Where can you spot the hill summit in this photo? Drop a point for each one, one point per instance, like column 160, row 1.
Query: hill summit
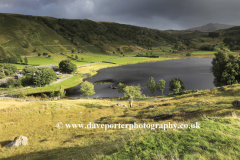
column 211, row 27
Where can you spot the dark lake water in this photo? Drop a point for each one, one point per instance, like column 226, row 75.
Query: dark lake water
column 195, row 74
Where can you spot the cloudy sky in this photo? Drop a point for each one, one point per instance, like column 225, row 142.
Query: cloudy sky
column 157, row 14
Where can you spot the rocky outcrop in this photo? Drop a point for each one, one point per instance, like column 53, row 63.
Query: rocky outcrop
column 18, row 141
column 236, row 103
column 208, row 103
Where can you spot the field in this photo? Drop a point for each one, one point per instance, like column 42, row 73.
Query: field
column 70, row 82
column 218, row 136
column 207, row 52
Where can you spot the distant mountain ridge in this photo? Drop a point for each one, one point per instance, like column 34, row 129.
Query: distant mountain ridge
column 211, row 27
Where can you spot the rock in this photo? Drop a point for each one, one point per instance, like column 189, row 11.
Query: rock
column 223, row 89
column 151, row 106
column 200, row 102
column 236, row 103
column 67, row 108
column 124, row 105
column 18, row 141
column 208, row 103
column 119, row 104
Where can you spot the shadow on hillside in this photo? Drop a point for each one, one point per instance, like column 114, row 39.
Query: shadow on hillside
column 4, row 143
column 83, row 153
column 109, row 62
column 89, row 105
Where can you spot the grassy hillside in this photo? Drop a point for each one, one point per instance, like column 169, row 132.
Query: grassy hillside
column 218, row 136
column 22, row 34
column 225, row 38
column 211, row 27
column 28, row 35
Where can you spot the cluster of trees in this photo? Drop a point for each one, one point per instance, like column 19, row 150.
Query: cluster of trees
column 207, row 47
column 213, row 34
column 6, row 70
column 175, row 85
column 11, row 59
column 152, row 86
column 146, row 55
column 132, row 92
column 35, row 76
column 38, row 76
column 225, row 68
column 234, row 44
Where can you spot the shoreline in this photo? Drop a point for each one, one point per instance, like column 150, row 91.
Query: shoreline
column 94, row 68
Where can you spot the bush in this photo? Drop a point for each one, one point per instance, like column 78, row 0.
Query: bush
column 10, row 82
column 7, row 72
column 39, row 54
column 10, row 69
column 2, row 75
column 18, row 83
column 207, row 48
column 21, row 95
column 189, row 54
column 44, row 95
column 26, row 45
column 87, row 88
column 52, row 94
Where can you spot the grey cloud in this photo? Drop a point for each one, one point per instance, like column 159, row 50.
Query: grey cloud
column 159, row 14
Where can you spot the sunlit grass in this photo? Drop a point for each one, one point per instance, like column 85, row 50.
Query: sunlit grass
column 70, row 82
column 217, row 137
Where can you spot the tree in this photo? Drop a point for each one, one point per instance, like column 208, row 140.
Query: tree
column 120, row 87
column 76, row 57
column 225, row 68
column 26, row 60
column 14, row 59
column 49, row 56
column 132, row 92
column 73, row 50
column 10, row 69
column 87, row 88
column 10, row 82
column 67, row 66
column 176, row 85
column 29, row 70
column 44, row 76
column 39, row 54
column 151, row 85
column 61, row 92
column 160, row 86
column 213, row 34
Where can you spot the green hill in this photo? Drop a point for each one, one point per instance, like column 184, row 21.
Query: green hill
column 28, row 35
column 22, row 35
